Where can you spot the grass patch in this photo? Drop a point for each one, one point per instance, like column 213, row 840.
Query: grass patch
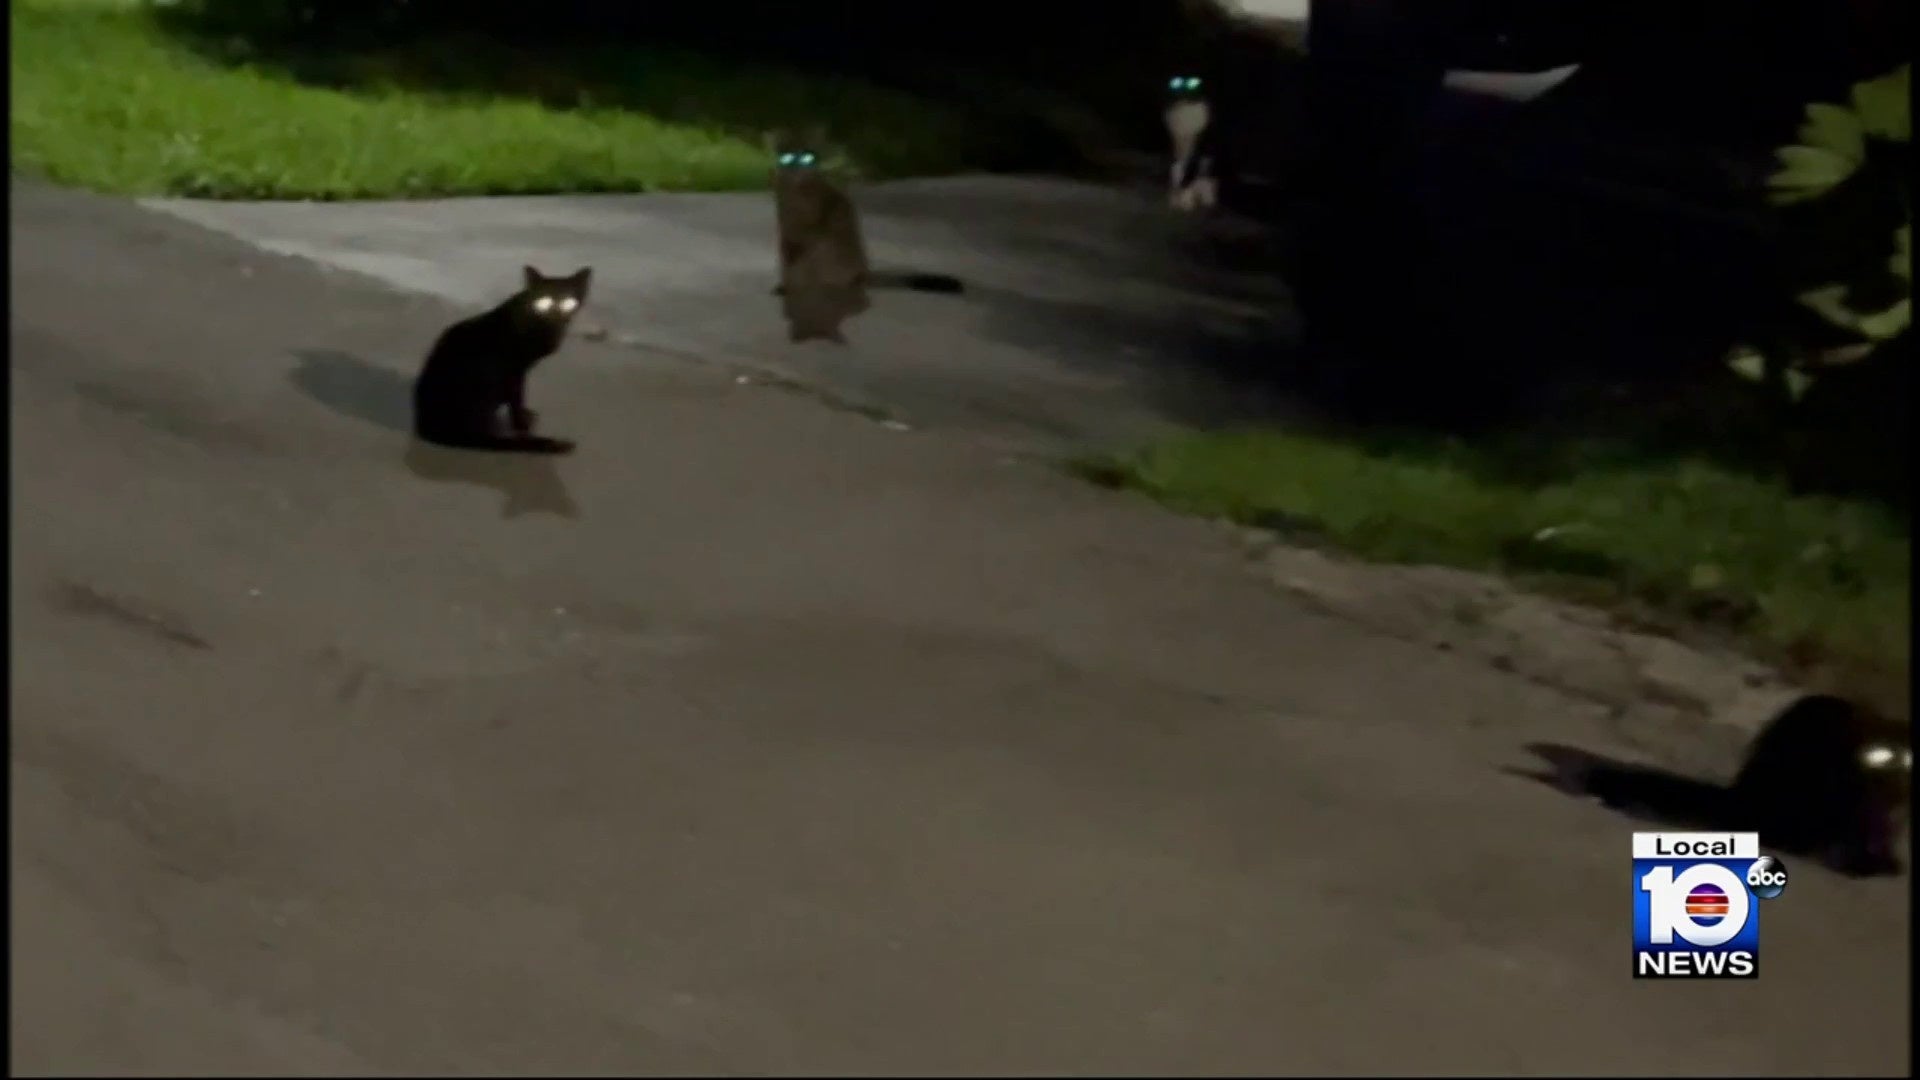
column 1813, row 581
column 107, row 96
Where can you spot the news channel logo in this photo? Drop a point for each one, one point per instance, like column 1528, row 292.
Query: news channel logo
column 1696, row 904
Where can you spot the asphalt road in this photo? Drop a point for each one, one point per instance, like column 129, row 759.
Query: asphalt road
column 757, row 738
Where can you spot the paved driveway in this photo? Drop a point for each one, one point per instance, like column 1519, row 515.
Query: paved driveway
column 756, row 738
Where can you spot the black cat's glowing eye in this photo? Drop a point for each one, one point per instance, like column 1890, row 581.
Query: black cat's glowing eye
column 807, row 159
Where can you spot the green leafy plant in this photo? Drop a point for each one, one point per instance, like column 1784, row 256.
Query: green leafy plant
column 1850, row 160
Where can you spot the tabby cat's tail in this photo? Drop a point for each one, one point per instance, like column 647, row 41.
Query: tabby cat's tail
column 935, row 283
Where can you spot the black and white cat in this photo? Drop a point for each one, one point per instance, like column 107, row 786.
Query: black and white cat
column 1192, row 184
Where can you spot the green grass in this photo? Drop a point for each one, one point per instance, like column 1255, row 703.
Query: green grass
column 1814, row 581
column 106, row 96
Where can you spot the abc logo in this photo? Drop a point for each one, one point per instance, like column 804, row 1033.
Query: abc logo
column 1767, row 877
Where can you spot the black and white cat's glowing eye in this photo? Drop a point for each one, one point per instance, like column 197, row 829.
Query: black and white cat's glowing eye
column 1878, row 757
column 1176, row 83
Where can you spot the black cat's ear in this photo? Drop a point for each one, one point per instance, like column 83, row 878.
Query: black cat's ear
column 533, row 276
column 584, row 277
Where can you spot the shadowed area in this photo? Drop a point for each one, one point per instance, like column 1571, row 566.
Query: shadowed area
column 354, row 387
column 527, row 483
column 1655, row 796
column 1668, row 799
column 1000, row 85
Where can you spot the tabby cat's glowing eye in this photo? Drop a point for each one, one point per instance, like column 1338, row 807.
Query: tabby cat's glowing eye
column 543, row 303
column 1878, row 757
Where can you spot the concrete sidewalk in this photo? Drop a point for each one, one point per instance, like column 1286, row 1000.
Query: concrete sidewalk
column 1289, row 12
column 755, row 738
column 1093, row 318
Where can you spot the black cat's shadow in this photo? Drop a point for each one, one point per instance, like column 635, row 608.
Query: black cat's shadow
column 1640, row 792
column 527, row 483
column 1666, row 799
column 353, row 387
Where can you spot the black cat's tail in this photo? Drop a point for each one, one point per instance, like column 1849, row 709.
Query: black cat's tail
column 512, row 444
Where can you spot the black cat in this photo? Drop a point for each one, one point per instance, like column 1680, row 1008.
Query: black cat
column 478, row 368
column 1826, row 778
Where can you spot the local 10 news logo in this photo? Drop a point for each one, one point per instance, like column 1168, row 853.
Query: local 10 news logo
column 1696, row 904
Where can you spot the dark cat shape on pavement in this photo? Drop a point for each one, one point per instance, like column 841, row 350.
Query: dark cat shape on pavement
column 472, row 391
column 528, row 484
column 1825, row 779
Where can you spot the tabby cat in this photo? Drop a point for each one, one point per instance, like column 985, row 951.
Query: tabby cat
column 824, row 271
